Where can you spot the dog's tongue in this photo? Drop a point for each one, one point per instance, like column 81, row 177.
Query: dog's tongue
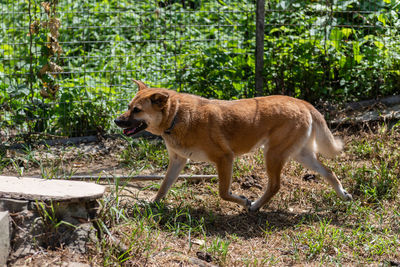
column 129, row 131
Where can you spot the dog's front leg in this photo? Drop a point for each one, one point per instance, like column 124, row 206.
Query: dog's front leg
column 224, row 168
column 175, row 166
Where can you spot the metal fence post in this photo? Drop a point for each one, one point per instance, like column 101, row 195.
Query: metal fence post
column 260, row 26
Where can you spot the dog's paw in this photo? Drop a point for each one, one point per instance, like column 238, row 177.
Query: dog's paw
column 347, row 196
column 247, row 204
column 252, row 208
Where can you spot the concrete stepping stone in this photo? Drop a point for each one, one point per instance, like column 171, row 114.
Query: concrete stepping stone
column 72, row 202
column 48, row 190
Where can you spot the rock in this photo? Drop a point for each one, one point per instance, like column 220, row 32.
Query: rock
column 13, row 205
column 204, row 256
column 309, row 177
column 4, row 238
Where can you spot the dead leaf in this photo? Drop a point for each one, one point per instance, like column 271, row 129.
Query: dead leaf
column 47, row 7
column 198, row 242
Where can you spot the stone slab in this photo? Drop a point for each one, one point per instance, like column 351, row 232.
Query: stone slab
column 13, row 205
column 28, row 188
column 4, row 238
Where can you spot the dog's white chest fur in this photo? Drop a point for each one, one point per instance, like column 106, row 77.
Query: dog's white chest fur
column 189, row 153
column 193, row 154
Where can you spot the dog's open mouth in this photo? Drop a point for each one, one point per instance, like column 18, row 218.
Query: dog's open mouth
column 135, row 130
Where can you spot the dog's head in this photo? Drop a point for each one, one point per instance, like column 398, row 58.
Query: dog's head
column 145, row 111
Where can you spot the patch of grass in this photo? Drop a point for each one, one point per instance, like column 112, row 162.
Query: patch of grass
column 219, row 249
column 362, row 149
column 242, row 167
column 376, row 183
column 326, row 242
column 179, row 221
column 128, row 235
column 322, row 239
column 20, row 160
column 142, row 153
column 49, row 228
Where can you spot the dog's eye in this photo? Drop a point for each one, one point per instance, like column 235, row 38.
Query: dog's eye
column 136, row 110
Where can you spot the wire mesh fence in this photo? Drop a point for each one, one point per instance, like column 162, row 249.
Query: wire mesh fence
column 66, row 66
column 332, row 50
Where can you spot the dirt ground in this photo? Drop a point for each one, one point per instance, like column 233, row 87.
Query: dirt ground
column 277, row 235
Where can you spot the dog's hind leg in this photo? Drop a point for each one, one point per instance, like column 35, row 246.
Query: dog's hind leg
column 309, row 160
column 274, row 162
column 224, row 168
column 176, row 164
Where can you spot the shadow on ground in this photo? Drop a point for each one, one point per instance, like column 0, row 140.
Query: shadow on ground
column 245, row 225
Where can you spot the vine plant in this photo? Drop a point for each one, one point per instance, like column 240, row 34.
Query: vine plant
column 45, row 34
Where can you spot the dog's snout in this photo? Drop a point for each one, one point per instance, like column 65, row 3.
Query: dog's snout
column 119, row 122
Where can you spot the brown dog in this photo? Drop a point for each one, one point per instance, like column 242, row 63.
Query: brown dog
column 217, row 131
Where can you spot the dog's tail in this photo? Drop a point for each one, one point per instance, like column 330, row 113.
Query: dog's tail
column 326, row 143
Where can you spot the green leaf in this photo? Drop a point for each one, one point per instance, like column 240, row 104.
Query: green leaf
column 358, row 58
column 379, row 44
column 382, row 19
column 356, row 52
column 335, row 37
column 221, row 2
column 346, row 32
column 6, row 49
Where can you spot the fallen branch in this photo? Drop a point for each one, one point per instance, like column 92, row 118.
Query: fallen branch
column 387, row 101
column 137, row 177
column 385, row 114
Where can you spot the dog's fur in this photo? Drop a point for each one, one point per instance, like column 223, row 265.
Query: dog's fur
column 217, row 131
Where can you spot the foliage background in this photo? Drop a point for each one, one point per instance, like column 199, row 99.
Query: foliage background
column 316, row 50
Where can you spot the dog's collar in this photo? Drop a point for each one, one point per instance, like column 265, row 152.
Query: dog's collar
column 169, row 130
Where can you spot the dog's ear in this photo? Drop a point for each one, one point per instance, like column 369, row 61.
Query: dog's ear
column 160, row 99
column 140, row 84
